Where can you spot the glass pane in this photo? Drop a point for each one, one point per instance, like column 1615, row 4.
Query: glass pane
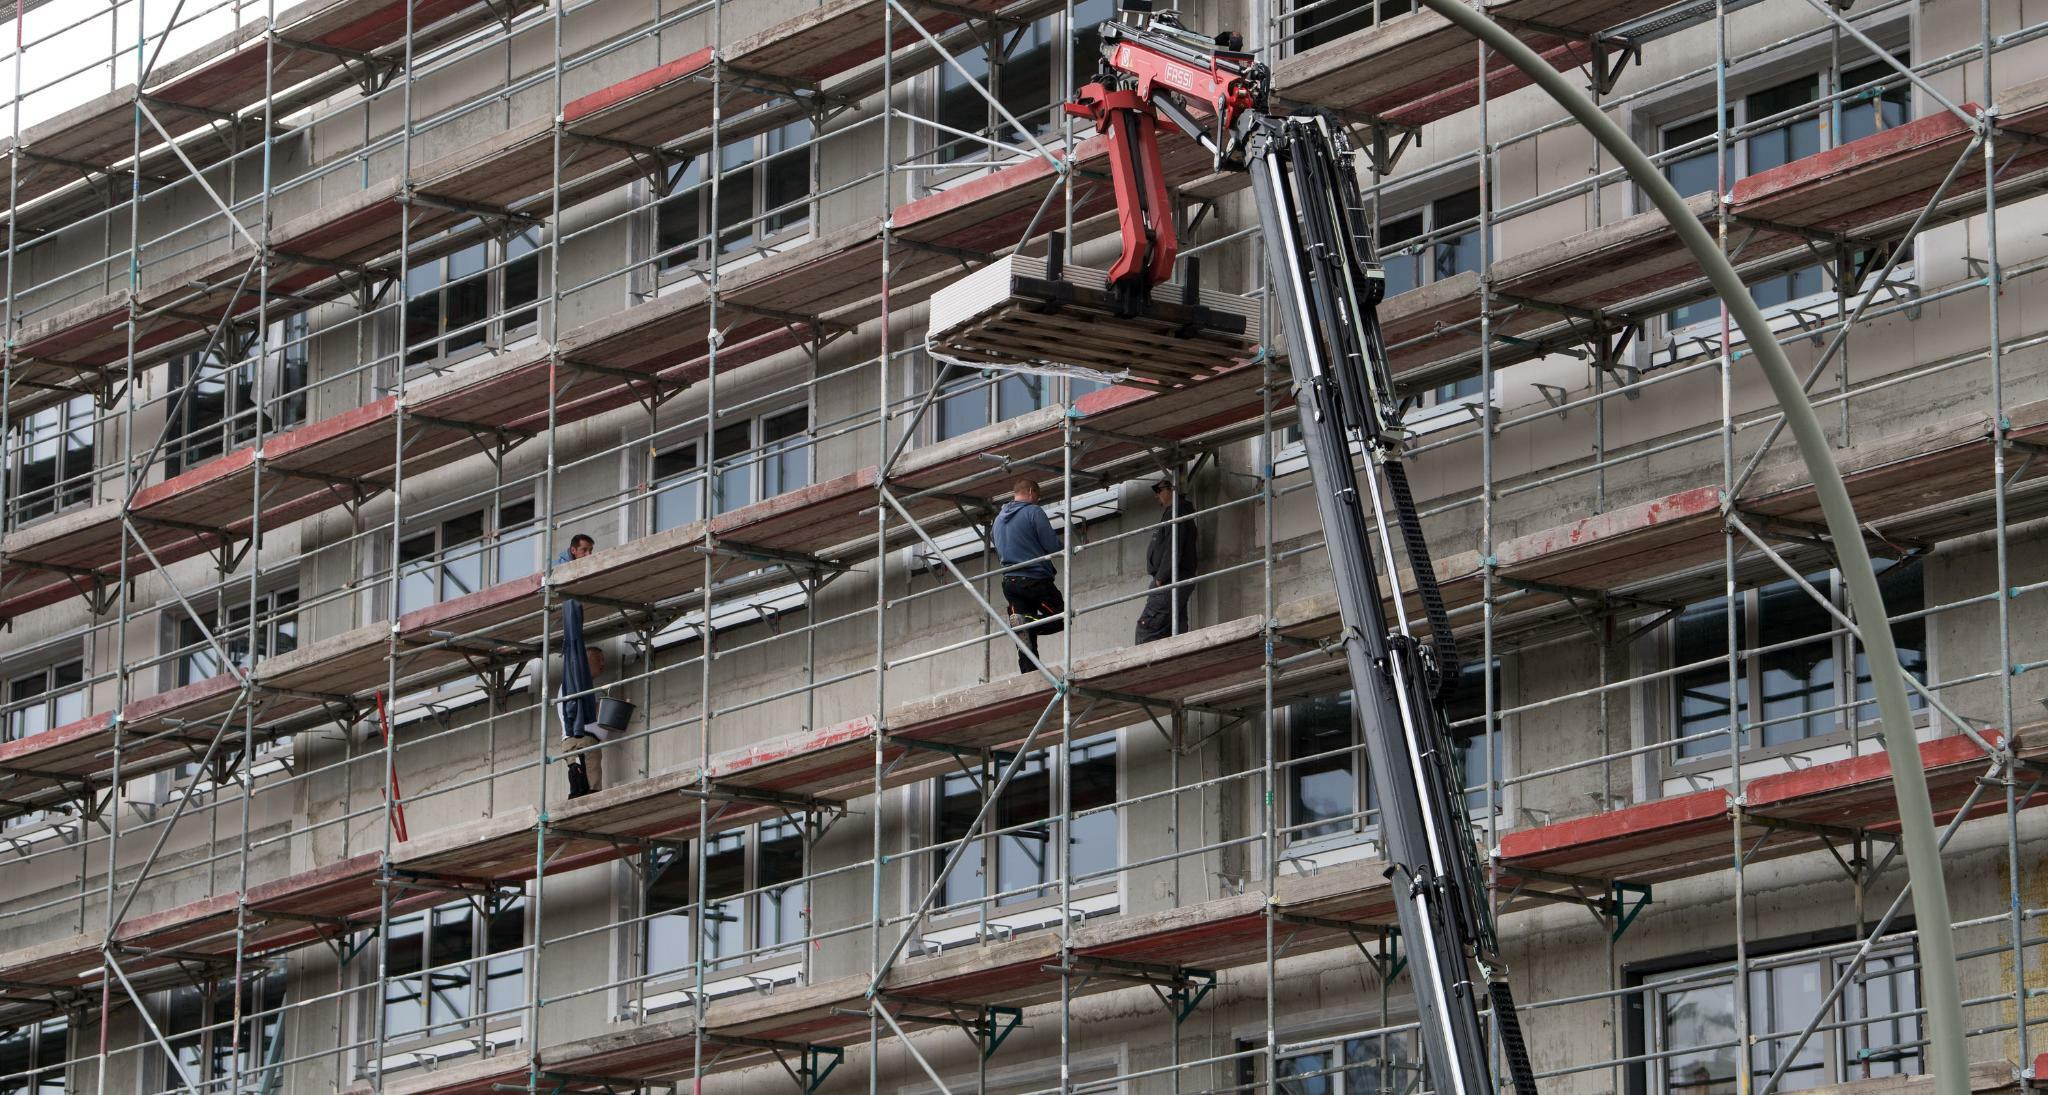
column 725, row 874
column 1024, row 857
column 1092, row 767
column 1459, row 253
column 1403, row 271
column 1884, row 992
column 677, row 486
column 678, row 220
column 961, row 105
column 422, row 328
column 518, row 541
column 505, row 972
column 1861, row 116
column 404, row 997
column 1781, row 1000
column 1702, row 694
column 788, row 177
column 1384, row 1065
column 1794, row 139
column 1018, row 393
column 1801, row 678
column 1694, row 172
column 1308, row 1074
column 786, row 463
column 965, row 411
column 668, row 888
column 959, row 800
column 1696, row 1025
column 736, row 205
column 1904, row 590
column 729, row 454
column 779, row 868
column 1324, row 788
column 451, row 945
column 1025, row 82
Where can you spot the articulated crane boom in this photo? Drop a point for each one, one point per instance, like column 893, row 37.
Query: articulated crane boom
column 1327, row 289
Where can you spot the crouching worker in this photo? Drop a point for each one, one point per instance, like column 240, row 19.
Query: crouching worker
column 1170, row 560
column 1024, row 541
column 582, row 738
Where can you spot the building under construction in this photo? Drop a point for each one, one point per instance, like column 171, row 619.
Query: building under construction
column 329, row 324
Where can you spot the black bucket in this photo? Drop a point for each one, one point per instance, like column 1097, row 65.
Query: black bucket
column 613, row 716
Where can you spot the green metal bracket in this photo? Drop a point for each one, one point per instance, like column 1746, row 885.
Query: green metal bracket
column 1001, row 1022
column 814, row 1075
column 1394, row 959
column 348, row 953
column 1621, row 908
column 1189, row 997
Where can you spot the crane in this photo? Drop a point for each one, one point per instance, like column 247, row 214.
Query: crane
column 1326, row 290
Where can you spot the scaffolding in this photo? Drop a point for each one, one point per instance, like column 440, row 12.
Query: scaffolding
column 298, row 196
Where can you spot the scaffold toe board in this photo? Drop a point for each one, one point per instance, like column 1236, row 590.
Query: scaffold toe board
column 1782, row 814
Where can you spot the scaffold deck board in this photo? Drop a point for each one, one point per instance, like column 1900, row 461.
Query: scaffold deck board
column 1690, row 834
column 1398, row 69
column 1866, row 191
column 226, row 76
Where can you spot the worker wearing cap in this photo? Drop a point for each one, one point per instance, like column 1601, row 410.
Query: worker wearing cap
column 1170, row 561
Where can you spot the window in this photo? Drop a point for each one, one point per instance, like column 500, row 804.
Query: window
column 1325, row 777
column 454, row 965
column 763, row 196
column 212, row 407
column 1020, row 865
column 1023, row 70
column 484, row 293
column 1385, row 1064
column 463, row 554
column 1416, row 251
column 50, row 461
column 1687, row 1014
column 756, row 458
column 1320, row 21
column 755, row 899
column 45, row 698
column 32, row 1058
column 1695, row 172
column 1789, row 674
column 198, row 1023
column 973, row 398
column 276, row 632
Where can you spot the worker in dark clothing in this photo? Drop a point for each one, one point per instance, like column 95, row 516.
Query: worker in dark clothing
column 1170, row 560
column 582, row 738
column 1024, row 541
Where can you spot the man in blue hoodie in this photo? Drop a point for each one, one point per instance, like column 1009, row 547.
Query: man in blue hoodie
column 1024, row 541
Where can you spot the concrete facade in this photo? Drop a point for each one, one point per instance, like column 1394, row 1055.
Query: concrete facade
column 780, row 662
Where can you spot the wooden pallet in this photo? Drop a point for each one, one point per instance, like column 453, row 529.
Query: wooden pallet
column 1009, row 313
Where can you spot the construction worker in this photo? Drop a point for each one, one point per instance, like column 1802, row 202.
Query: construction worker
column 1025, row 541
column 1170, row 560
column 582, row 738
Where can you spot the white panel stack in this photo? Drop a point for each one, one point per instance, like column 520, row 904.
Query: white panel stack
column 982, row 319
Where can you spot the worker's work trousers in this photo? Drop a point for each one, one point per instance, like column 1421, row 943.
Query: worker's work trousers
column 1165, row 612
column 588, row 752
column 1036, row 608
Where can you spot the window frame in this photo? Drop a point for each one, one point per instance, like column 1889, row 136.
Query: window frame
column 991, row 385
column 996, row 56
column 505, row 323
column 463, row 1032
column 1427, row 208
column 1695, row 106
column 489, row 548
column 756, row 956
column 1358, row 825
column 39, row 1078
column 708, row 481
column 950, row 912
column 1643, row 1028
column 211, row 1034
column 767, row 230
column 1844, row 652
column 286, row 371
column 70, row 487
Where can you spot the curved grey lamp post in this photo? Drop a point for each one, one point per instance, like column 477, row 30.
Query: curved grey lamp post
column 1916, row 810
